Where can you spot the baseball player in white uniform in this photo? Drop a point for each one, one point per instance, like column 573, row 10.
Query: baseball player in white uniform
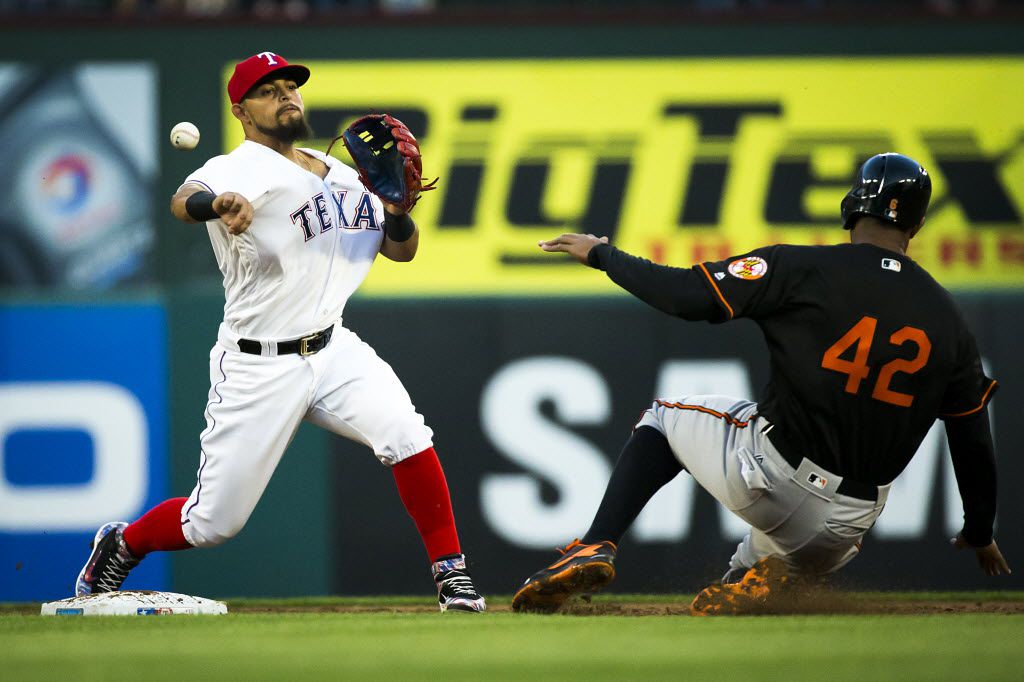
column 295, row 233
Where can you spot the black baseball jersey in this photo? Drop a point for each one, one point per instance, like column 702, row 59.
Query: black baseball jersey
column 866, row 351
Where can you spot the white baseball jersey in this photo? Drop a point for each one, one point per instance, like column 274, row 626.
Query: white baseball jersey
column 310, row 245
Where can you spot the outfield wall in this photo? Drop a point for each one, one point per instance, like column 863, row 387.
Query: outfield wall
column 531, row 402
column 682, row 143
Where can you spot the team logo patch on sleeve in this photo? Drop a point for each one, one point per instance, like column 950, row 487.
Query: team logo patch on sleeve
column 751, row 267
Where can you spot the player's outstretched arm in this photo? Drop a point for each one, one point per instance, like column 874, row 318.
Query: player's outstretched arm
column 193, row 203
column 676, row 291
column 576, row 245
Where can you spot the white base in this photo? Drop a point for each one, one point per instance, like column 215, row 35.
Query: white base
column 134, row 603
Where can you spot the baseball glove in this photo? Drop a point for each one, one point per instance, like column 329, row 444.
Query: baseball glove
column 387, row 158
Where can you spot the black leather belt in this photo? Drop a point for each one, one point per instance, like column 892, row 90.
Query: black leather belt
column 307, row 345
column 849, row 487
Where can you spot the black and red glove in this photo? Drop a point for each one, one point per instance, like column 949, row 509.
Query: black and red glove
column 387, row 158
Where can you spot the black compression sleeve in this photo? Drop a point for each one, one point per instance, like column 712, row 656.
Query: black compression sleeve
column 645, row 464
column 398, row 228
column 676, row 291
column 974, row 463
column 200, row 206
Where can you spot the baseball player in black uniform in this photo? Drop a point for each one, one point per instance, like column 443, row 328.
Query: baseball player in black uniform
column 867, row 350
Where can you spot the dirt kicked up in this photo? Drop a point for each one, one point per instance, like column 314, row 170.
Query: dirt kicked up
column 816, row 602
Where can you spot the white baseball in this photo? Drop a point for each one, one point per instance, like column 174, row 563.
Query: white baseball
column 185, row 135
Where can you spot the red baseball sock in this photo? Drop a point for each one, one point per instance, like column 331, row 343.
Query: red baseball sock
column 424, row 492
column 158, row 529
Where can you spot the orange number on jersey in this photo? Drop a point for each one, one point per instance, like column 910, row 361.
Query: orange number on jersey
column 856, row 370
column 924, row 349
column 861, row 335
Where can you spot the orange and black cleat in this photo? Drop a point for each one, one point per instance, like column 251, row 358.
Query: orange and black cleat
column 765, row 580
column 582, row 570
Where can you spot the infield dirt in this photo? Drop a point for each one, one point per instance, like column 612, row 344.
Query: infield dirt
column 806, row 602
column 816, row 603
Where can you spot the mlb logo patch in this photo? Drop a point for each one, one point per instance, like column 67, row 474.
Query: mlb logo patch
column 891, row 264
column 817, row 480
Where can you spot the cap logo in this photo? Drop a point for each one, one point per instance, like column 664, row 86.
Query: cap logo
column 891, row 213
column 751, row 267
column 252, row 70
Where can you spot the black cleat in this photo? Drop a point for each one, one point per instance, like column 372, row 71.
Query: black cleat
column 109, row 563
column 582, row 570
column 455, row 591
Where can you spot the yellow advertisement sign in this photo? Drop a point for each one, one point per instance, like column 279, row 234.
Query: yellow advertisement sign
column 682, row 160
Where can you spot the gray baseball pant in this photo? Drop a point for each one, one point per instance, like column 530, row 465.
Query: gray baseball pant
column 794, row 513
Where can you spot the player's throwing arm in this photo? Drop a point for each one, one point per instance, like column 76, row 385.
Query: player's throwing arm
column 195, row 204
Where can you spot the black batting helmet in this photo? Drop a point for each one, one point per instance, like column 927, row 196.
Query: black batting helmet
column 891, row 187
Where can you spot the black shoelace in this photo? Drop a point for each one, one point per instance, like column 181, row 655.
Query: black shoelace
column 459, row 584
column 115, row 572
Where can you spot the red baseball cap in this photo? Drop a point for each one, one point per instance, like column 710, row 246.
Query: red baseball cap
column 257, row 67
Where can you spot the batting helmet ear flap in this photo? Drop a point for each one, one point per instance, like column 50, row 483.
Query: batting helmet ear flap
column 891, row 187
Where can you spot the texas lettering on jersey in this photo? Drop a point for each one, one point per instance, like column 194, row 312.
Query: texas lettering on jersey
column 309, row 247
column 363, row 218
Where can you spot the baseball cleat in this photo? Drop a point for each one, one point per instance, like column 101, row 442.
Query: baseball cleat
column 455, row 591
column 582, row 570
column 734, row 575
column 768, row 578
column 109, row 563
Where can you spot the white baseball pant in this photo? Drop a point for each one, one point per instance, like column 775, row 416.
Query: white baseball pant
column 256, row 404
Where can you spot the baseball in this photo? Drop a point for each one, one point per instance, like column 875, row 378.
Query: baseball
column 185, row 135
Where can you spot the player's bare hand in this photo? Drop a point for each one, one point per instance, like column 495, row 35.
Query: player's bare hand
column 989, row 557
column 576, row 245
column 235, row 210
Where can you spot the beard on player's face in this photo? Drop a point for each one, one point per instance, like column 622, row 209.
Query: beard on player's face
column 290, row 130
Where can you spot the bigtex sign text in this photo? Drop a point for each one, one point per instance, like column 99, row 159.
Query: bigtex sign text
column 684, row 160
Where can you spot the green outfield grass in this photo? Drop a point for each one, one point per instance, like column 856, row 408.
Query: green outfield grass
column 403, row 645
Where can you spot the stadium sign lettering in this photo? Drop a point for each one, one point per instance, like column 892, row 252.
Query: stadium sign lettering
column 692, row 159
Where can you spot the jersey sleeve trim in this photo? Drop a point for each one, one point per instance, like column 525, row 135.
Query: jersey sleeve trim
column 718, row 292
column 193, row 181
column 984, row 401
